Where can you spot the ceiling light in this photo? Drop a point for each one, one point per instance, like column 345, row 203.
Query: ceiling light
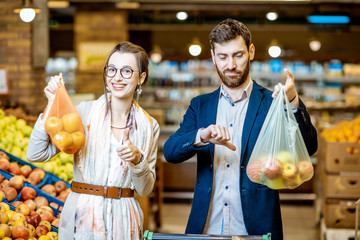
column 156, row 54
column 315, row 44
column 328, row 19
column 195, row 47
column 274, row 49
column 272, row 16
column 181, row 15
column 27, row 13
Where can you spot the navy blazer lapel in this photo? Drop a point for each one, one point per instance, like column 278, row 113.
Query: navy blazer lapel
column 253, row 107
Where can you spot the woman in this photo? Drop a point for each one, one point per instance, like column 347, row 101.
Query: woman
column 119, row 152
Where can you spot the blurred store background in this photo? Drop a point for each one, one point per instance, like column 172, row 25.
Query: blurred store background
column 75, row 36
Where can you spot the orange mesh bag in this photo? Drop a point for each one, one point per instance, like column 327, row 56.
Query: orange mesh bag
column 64, row 124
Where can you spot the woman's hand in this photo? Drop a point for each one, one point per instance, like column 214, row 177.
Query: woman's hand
column 51, row 89
column 50, row 92
column 128, row 151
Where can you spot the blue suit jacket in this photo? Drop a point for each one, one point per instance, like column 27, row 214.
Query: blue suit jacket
column 260, row 204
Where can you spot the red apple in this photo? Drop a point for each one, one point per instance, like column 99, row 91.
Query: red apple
column 253, row 171
column 53, row 125
column 30, row 220
column 19, row 232
column 25, row 170
column 4, row 164
column 17, row 182
column 10, row 193
column 3, row 155
column 60, row 186
column 31, row 203
column 49, row 189
column 14, row 168
column 41, row 230
column 71, row 122
column 306, row 170
column 46, row 224
column 272, row 168
column 47, row 216
column 41, row 201
column 47, row 209
column 40, row 171
column 36, row 217
column 28, row 193
column 4, row 184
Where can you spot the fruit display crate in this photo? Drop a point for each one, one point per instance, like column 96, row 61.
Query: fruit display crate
column 20, row 161
column 166, row 236
column 55, row 204
column 53, row 228
column 8, row 176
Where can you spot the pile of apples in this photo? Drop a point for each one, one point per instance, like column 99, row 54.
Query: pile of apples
column 14, row 135
column 34, row 176
column 344, row 131
column 25, row 223
column 67, row 132
column 58, row 190
column 280, row 172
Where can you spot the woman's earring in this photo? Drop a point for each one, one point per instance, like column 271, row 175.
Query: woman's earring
column 107, row 89
column 138, row 91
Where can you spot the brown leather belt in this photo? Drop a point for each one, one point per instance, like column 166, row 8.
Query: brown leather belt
column 108, row 192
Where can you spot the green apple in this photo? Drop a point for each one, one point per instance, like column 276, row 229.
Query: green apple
column 16, row 151
column 20, row 142
column 284, row 156
column 26, row 130
column 63, row 176
column 50, row 166
column 20, row 123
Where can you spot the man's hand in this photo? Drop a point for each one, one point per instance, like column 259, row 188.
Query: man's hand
column 127, row 151
column 289, row 86
column 217, row 134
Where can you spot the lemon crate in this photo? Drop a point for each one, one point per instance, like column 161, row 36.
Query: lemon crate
column 165, row 236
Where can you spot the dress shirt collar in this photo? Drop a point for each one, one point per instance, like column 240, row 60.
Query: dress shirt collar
column 245, row 94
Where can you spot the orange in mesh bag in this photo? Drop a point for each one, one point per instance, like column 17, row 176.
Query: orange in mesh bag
column 64, row 123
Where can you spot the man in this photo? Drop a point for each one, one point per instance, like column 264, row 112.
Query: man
column 221, row 128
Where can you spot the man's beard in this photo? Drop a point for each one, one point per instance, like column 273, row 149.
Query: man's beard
column 233, row 82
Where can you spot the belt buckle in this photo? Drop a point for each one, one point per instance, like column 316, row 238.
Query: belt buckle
column 113, row 192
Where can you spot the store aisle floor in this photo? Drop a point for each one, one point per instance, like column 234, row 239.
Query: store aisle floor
column 299, row 221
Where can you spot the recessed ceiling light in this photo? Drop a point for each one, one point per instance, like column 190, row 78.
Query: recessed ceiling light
column 181, row 15
column 272, row 16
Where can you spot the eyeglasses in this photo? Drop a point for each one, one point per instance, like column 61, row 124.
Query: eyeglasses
column 125, row 72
